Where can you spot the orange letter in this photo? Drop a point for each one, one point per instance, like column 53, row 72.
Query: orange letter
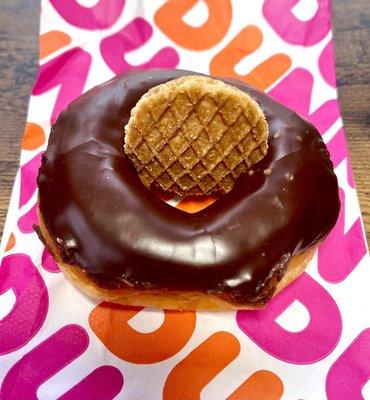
column 260, row 385
column 110, row 324
column 247, row 42
column 194, row 372
column 52, row 41
column 169, row 20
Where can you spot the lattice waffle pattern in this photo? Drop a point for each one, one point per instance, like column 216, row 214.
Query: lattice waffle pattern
column 195, row 135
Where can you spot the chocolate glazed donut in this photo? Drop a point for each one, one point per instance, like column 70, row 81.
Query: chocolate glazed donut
column 98, row 217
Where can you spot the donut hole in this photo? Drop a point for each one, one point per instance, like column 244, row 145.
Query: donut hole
column 194, row 204
column 189, row 204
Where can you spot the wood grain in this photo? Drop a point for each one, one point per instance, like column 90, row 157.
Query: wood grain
column 351, row 43
column 18, row 68
column 19, row 25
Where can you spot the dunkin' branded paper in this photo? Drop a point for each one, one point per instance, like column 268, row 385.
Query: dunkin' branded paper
column 312, row 341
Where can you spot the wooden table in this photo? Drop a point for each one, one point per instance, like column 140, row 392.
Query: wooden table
column 18, row 67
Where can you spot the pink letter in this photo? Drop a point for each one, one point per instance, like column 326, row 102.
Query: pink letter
column 338, row 148
column 28, row 314
column 279, row 15
column 311, row 344
column 341, row 252
column 29, row 173
column 49, row 357
column 295, row 92
column 351, row 371
column 101, row 16
column 43, row 361
column 26, row 221
column 48, row 262
column 69, row 70
column 338, row 152
column 132, row 36
column 104, row 383
column 326, row 64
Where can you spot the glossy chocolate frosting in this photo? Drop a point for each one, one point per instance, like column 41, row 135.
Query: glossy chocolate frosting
column 104, row 220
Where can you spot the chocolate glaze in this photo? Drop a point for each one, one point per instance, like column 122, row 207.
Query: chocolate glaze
column 104, row 220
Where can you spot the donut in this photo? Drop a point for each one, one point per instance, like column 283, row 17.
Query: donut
column 118, row 241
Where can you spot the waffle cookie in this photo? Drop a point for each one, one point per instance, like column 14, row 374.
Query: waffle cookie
column 195, row 135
